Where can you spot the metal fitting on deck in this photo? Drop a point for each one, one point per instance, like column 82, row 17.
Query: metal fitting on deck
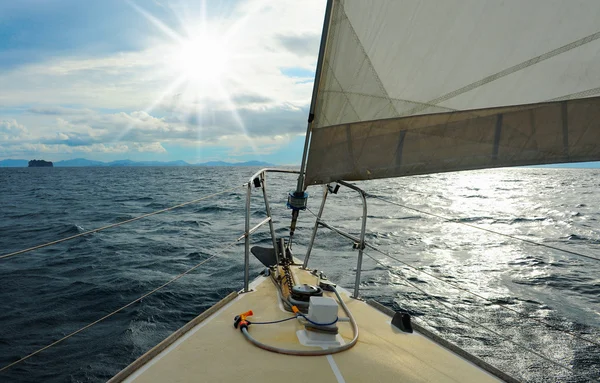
column 297, row 200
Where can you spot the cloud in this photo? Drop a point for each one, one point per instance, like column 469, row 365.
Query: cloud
column 11, row 130
column 154, row 147
column 70, row 139
column 58, row 111
column 305, row 45
column 28, row 149
column 247, row 99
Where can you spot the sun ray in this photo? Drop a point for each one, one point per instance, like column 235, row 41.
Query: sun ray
column 157, row 23
column 231, row 105
column 239, row 24
column 203, row 15
column 181, row 12
column 174, row 85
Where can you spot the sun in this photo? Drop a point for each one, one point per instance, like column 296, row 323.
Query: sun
column 201, row 60
column 199, row 54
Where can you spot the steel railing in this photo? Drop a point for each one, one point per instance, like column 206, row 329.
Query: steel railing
column 258, row 179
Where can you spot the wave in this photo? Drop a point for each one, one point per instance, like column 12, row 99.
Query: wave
column 580, row 284
column 191, row 223
column 521, row 220
column 506, row 221
column 527, row 261
column 212, row 209
column 72, row 230
column 157, row 205
column 409, row 217
column 26, row 215
column 575, row 237
column 471, row 219
column 474, row 196
column 121, row 218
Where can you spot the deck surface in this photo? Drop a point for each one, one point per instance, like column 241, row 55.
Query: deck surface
column 214, row 351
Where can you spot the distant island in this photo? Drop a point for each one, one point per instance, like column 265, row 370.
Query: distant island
column 82, row 162
column 40, row 164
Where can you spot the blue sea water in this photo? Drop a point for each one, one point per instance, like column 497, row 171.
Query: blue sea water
column 48, row 293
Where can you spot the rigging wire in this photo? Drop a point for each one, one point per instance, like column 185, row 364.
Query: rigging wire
column 121, row 308
column 546, row 358
column 506, row 307
column 119, row 223
column 482, row 228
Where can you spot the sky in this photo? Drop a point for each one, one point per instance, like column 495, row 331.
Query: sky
column 160, row 80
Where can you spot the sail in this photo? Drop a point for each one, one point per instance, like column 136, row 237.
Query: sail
column 414, row 87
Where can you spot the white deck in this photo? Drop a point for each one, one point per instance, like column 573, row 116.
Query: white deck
column 214, row 351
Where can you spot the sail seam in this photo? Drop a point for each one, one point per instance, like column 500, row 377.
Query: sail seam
column 497, row 135
column 345, row 96
column 395, row 99
column 381, row 109
column 367, row 58
column 582, row 94
column 400, row 147
column 508, row 71
column 565, row 128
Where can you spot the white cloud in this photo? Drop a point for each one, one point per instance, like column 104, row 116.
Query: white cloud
column 11, row 130
column 27, row 149
column 154, row 147
column 59, row 111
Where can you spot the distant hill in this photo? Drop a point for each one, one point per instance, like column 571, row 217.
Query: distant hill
column 146, row 163
column 81, row 162
column 10, row 163
column 222, row 163
column 78, row 162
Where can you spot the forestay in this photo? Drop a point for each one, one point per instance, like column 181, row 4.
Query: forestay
column 414, row 87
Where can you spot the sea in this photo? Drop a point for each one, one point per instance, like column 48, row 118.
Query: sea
column 506, row 294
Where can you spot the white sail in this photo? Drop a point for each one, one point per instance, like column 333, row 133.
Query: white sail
column 413, row 87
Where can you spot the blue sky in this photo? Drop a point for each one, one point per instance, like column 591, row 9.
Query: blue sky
column 157, row 80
